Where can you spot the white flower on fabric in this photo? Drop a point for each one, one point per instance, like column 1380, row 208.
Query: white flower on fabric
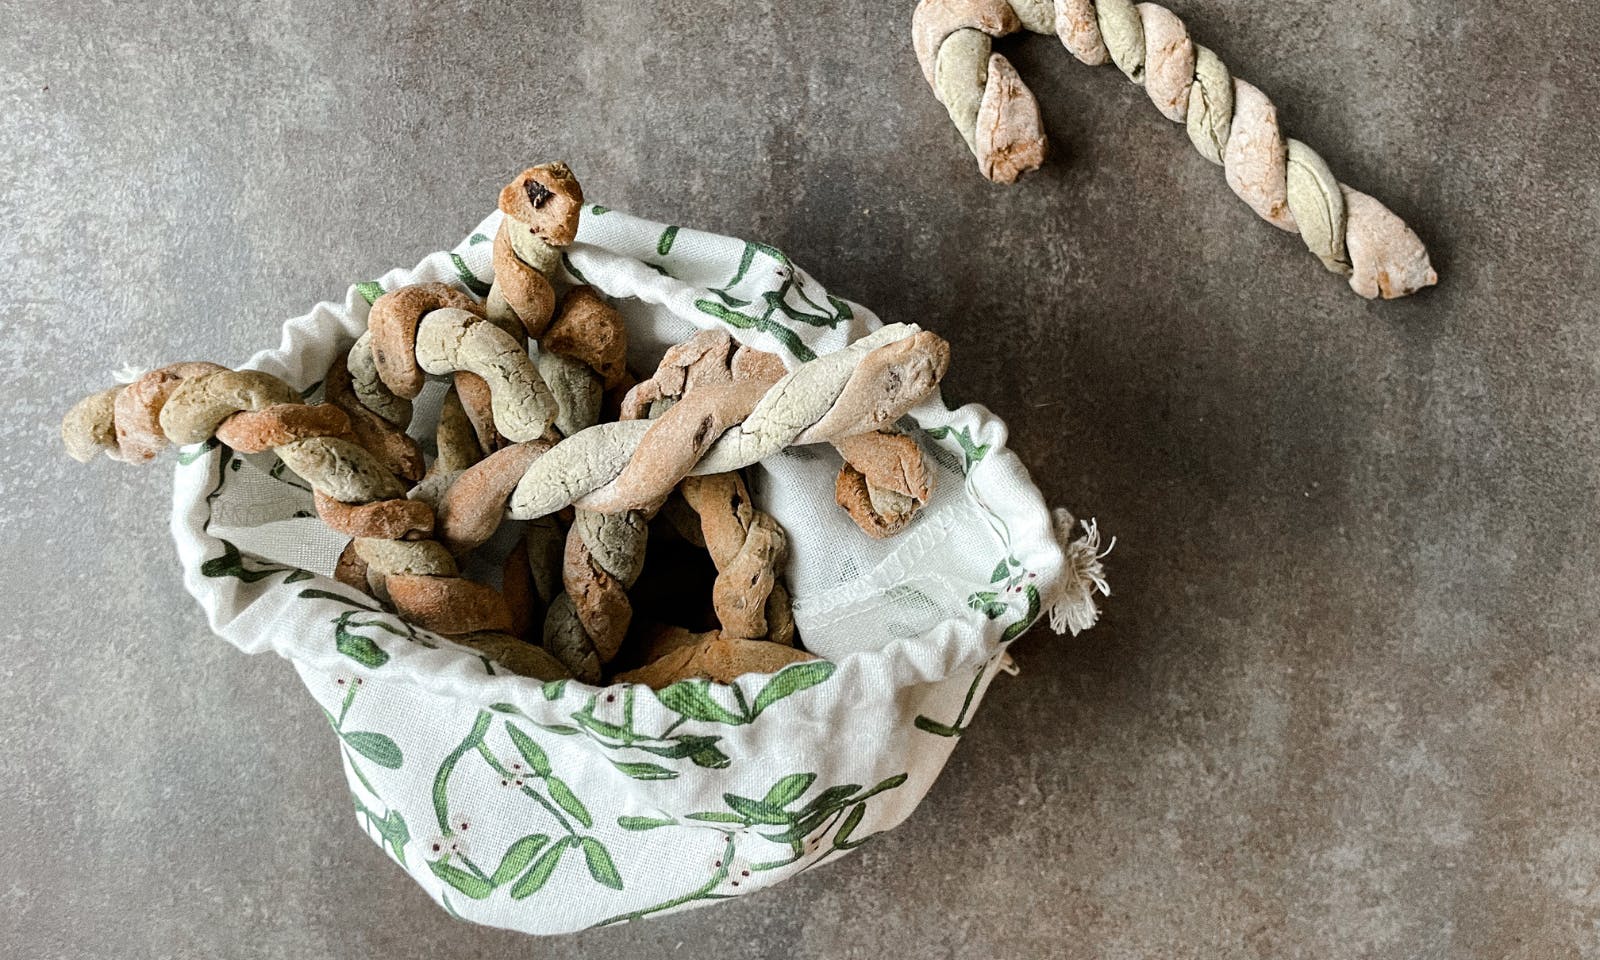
column 443, row 848
column 739, row 879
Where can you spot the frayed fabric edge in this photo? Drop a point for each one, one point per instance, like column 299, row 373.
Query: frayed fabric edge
column 1073, row 609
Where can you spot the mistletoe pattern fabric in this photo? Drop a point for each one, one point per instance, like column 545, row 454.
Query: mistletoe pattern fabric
column 554, row 807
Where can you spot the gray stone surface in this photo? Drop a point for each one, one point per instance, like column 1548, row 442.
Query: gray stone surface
column 1344, row 702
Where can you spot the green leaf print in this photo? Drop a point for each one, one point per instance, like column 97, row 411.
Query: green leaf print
column 806, row 829
column 972, row 452
column 664, row 245
column 370, row 291
column 756, row 811
column 517, row 858
column 363, row 650
column 792, row 680
column 468, row 278
column 472, row 886
column 194, row 452
column 1017, row 629
column 567, row 800
column 441, row 801
column 1001, row 571
column 791, row 341
column 538, row 761
column 539, row 874
column 700, row 749
column 841, row 839
column 789, row 789
column 375, row 747
column 987, row 602
column 643, row 823
column 690, row 698
column 600, row 865
column 391, row 828
column 717, row 816
column 640, row 770
column 232, row 564
column 929, row 725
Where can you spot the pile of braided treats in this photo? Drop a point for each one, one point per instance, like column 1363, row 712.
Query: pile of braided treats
column 543, row 423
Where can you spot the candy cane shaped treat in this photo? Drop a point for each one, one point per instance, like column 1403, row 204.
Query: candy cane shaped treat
column 1229, row 121
column 613, row 467
column 252, row 411
column 541, row 208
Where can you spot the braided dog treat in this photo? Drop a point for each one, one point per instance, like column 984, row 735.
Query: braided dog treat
column 884, row 481
column 450, row 340
column 457, row 446
column 613, row 467
column 433, row 328
column 585, row 350
column 585, row 625
column 474, row 505
column 138, row 409
column 521, row 658
column 394, row 448
column 90, row 429
column 581, row 356
column 541, row 206
column 253, row 411
column 1229, row 121
column 369, row 387
column 748, row 547
column 714, row 657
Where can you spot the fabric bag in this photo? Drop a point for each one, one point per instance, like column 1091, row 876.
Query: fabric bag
column 552, row 807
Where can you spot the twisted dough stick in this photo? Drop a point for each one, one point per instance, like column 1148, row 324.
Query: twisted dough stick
column 584, row 351
column 884, row 481
column 680, row 654
column 252, row 411
column 629, row 465
column 747, row 546
column 457, row 446
column 1229, row 121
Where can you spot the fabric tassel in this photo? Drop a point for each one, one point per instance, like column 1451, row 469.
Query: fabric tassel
column 1074, row 608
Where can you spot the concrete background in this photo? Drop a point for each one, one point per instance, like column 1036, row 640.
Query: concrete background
column 1344, row 702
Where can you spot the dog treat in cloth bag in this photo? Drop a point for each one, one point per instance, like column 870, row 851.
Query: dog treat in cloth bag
column 549, row 807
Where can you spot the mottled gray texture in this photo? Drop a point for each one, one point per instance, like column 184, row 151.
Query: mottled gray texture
column 1345, row 700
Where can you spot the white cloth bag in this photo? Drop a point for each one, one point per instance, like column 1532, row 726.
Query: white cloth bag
column 551, row 807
